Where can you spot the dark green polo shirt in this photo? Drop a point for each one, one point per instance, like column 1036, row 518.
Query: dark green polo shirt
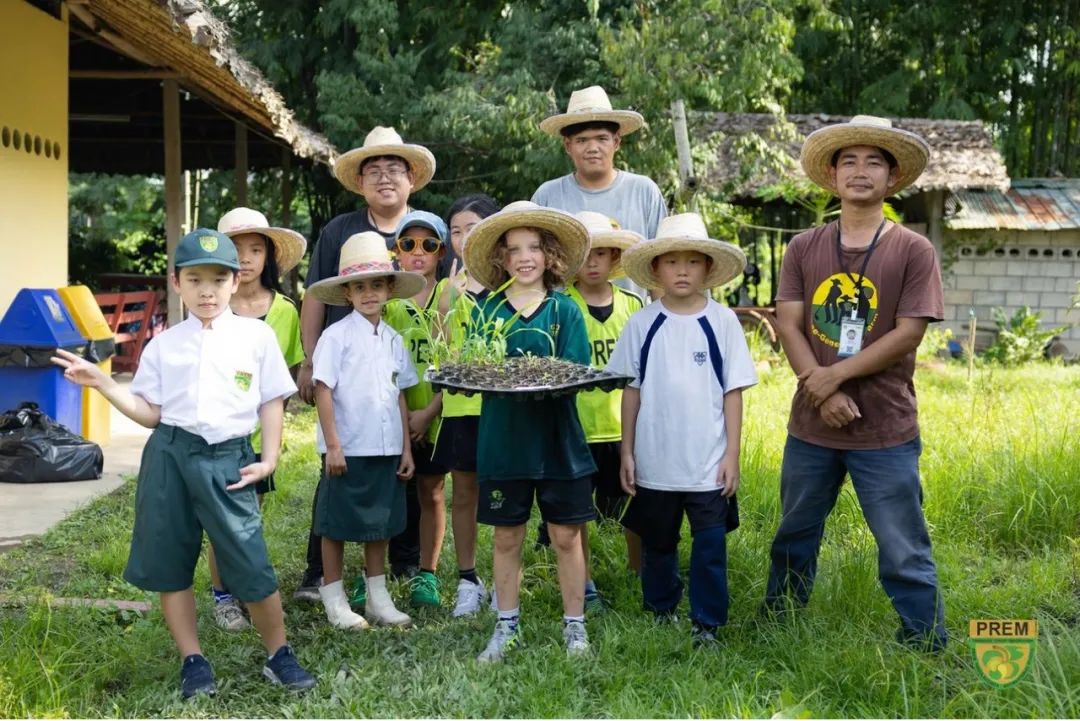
column 536, row 439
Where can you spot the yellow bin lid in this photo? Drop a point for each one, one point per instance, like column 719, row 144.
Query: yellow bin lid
column 85, row 312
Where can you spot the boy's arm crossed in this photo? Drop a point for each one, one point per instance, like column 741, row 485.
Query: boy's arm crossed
column 631, row 404
column 728, row 475
column 81, row 371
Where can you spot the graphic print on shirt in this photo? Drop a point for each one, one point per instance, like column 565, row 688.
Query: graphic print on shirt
column 700, row 356
column 834, row 299
column 243, row 380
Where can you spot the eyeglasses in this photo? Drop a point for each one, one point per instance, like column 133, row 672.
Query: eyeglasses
column 428, row 245
column 375, row 174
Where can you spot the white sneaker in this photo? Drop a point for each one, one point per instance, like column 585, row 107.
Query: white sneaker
column 577, row 639
column 227, row 615
column 470, row 598
column 507, row 637
column 380, row 608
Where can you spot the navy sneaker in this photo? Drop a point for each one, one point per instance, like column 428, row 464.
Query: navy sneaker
column 283, row 668
column 196, row 677
column 702, row 636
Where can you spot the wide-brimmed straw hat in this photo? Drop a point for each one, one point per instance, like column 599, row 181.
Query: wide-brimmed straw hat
column 910, row 150
column 364, row 255
column 524, row 214
column 289, row 246
column 591, row 105
column 604, row 232
column 685, row 231
column 385, row 141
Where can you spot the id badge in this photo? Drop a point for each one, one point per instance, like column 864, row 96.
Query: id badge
column 851, row 336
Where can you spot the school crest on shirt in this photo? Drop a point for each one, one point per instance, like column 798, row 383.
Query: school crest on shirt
column 243, row 380
column 553, row 330
column 209, row 243
column 700, row 356
column 835, row 298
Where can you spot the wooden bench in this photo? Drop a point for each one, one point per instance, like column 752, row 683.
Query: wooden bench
column 131, row 326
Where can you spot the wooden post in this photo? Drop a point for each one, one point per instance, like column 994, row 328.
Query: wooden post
column 687, row 181
column 173, row 200
column 935, row 213
column 240, row 181
column 286, row 213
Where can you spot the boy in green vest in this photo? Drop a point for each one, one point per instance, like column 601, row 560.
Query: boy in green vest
column 421, row 244
column 606, row 308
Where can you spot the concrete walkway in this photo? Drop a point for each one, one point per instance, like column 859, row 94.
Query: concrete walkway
column 30, row 509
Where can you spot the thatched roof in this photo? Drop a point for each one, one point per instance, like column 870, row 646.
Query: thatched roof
column 962, row 153
column 182, row 39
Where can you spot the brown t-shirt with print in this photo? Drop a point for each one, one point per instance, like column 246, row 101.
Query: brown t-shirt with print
column 903, row 280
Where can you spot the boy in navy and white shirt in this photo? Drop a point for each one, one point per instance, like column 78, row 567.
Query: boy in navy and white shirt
column 682, row 417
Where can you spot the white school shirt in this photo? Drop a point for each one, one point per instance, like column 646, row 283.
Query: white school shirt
column 365, row 367
column 680, row 435
column 212, row 381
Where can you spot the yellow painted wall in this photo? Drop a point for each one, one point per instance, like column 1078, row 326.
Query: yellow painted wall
column 34, row 184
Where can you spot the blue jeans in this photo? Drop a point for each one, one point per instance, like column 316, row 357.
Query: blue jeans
column 661, row 587
column 886, row 481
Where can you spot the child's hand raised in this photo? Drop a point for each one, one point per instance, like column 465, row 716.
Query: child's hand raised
column 79, row 370
column 335, row 462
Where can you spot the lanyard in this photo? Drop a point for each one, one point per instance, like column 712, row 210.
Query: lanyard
column 866, row 261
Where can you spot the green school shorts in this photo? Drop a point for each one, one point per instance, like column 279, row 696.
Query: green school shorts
column 367, row 503
column 181, row 492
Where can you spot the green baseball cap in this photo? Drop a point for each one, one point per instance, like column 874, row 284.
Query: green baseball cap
column 203, row 246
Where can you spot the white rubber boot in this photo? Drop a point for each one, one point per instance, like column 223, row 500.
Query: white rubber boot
column 380, row 607
column 337, row 607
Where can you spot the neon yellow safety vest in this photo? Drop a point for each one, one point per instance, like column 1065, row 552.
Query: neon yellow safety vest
column 600, row 412
column 414, row 325
column 457, row 405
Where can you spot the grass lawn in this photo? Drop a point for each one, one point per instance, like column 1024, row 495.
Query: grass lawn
column 1001, row 473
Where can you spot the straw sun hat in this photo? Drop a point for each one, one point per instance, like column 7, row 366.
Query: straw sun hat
column 385, row 141
column 289, row 246
column 685, row 231
column 604, row 232
column 591, row 105
column 524, row 214
column 910, row 150
column 364, row 255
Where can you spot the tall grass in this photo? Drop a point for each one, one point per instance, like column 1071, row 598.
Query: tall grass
column 1002, row 484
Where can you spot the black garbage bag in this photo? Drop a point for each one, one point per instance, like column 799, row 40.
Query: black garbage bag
column 36, row 449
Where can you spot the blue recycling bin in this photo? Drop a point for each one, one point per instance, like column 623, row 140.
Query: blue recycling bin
column 35, row 325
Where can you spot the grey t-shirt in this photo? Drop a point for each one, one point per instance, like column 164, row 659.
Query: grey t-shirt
column 633, row 200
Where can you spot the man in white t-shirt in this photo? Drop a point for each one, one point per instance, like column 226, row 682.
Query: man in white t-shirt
column 592, row 133
column 682, row 417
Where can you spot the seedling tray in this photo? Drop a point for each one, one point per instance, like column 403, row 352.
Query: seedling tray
column 524, row 378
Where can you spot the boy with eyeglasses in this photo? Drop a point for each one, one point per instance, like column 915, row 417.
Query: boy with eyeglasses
column 420, row 244
column 385, row 171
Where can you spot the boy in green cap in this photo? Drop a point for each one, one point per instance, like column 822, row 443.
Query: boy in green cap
column 203, row 385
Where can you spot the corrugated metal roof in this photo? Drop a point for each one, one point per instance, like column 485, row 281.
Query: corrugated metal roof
column 1030, row 204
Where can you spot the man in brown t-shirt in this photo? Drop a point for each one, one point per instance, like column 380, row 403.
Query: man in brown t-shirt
column 855, row 298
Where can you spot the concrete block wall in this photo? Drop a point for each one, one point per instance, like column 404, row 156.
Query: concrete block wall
column 1008, row 270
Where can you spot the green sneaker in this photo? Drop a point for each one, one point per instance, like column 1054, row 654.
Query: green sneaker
column 425, row 590
column 595, row 604
column 359, row 592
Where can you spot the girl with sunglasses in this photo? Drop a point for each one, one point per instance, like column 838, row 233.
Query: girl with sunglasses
column 421, row 239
